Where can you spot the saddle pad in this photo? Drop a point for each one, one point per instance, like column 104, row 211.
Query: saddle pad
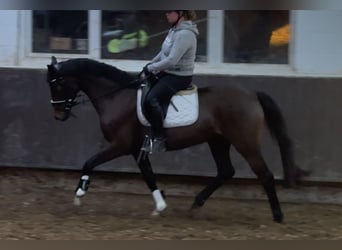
column 185, row 101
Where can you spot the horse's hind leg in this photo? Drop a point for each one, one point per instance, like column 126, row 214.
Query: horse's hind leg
column 220, row 150
column 259, row 167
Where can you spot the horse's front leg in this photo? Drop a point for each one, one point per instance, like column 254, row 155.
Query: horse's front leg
column 150, row 179
column 101, row 157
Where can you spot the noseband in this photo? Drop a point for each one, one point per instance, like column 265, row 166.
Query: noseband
column 70, row 102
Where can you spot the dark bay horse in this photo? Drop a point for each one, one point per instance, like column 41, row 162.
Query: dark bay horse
column 229, row 115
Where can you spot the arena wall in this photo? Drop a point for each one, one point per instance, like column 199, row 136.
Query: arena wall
column 30, row 137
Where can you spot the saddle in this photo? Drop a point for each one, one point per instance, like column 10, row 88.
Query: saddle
column 182, row 110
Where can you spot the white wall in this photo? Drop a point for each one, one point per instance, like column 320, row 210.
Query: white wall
column 8, row 37
column 316, row 45
column 315, row 48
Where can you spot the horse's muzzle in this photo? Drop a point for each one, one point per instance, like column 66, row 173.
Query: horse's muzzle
column 61, row 116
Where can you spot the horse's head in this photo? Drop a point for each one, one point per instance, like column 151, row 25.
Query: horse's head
column 63, row 89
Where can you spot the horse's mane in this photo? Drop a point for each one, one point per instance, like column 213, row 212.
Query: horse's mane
column 85, row 66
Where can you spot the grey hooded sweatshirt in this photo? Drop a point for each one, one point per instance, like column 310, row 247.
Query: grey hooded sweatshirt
column 178, row 51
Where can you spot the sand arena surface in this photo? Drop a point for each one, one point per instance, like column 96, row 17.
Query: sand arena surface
column 35, row 207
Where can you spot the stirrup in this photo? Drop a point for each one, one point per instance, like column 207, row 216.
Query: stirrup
column 159, row 145
column 155, row 145
column 145, row 149
column 147, row 145
column 150, row 145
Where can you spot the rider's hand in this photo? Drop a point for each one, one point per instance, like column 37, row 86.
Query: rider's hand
column 145, row 70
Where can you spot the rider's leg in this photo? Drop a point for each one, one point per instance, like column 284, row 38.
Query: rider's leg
column 156, row 117
column 156, row 104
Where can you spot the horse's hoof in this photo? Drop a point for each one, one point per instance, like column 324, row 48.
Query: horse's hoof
column 194, row 210
column 161, row 206
column 278, row 219
column 77, row 201
column 155, row 213
column 195, row 206
column 158, row 211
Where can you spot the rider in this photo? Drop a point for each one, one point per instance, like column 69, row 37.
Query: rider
column 174, row 67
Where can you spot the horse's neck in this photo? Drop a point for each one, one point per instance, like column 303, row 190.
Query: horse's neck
column 103, row 96
column 97, row 88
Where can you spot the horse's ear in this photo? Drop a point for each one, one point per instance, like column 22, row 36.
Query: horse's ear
column 53, row 60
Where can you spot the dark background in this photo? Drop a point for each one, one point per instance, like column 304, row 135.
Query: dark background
column 30, row 137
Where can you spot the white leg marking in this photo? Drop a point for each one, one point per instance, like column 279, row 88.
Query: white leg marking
column 159, row 200
column 85, row 177
column 80, row 192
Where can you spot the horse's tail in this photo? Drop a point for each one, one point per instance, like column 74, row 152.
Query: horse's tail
column 277, row 126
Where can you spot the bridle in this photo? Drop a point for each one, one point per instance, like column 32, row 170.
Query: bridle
column 69, row 102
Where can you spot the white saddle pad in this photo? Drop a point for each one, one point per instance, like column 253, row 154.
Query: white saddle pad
column 186, row 103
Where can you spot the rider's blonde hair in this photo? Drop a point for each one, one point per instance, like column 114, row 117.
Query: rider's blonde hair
column 188, row 14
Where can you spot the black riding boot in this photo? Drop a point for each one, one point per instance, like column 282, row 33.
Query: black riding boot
column 156, row 115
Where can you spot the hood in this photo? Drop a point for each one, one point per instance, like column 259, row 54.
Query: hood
column 188, row 25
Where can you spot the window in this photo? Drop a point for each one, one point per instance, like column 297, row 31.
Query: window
column 226, row 36
column 138, row 35
column 256, row 36
column 60, row 31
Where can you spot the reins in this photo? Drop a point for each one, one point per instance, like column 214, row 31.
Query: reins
column 131, row 83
